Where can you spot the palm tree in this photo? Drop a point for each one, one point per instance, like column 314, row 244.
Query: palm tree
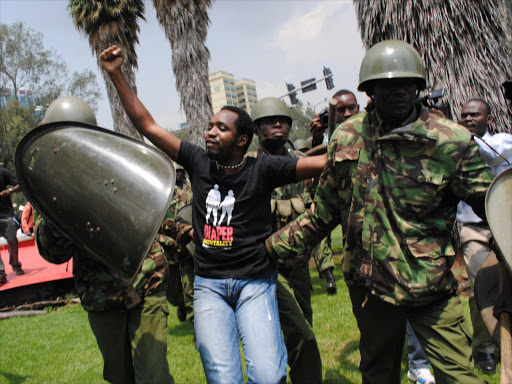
column 185, row 24
column 462, row 42
column 108, row 22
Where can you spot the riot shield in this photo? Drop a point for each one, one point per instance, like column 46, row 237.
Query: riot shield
column 106, row 192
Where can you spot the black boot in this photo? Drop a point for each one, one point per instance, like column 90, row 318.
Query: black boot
column 331, row 283
column 486, row 362
column 181, row 312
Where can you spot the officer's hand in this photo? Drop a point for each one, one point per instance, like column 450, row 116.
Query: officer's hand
column 316, row 129
column 111, row 59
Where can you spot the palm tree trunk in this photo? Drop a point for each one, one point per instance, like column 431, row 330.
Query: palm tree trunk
column 106, row 23
column 122, row 123
column 186, row 25
column 463, row 44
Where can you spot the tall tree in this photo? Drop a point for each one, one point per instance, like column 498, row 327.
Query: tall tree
column 32, row 75
column 461, row 42
column 105, row 23
column 26, row 63
column 301, row 117
column 186, row 25
column 15, row 122
column 84, row 85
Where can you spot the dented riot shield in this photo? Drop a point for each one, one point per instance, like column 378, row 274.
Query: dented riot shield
column 105, row 191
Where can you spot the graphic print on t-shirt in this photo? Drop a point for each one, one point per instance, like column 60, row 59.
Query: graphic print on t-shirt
column 216, row 235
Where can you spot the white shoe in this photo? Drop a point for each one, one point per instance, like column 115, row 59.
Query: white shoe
column 421, row 376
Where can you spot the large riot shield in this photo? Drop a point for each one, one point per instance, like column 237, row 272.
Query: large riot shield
column 105, row 191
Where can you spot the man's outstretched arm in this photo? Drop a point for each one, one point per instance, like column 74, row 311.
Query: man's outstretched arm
column 111, row 59
column 310, row 166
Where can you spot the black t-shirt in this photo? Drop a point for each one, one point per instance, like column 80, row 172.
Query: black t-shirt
column 231, row 213
column 6, row 178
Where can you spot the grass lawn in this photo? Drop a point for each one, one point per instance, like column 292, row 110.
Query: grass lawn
column 60, row 348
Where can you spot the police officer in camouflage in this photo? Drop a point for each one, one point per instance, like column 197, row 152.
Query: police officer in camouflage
column 172, row 236
column 393, row 178
column 273, row 123
column 346, row 107
column 128, row 319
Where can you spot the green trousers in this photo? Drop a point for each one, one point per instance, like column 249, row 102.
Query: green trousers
column 439, row 326
column 296, row 315
column 134, row 343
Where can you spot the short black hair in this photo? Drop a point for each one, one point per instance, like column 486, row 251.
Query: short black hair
column 487, row 106
column 243, row 124
column 342, row 92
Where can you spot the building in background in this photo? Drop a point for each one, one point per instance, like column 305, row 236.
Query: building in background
column 226, row 90
column 246, row 94
column 183, row 126
column 24, row 96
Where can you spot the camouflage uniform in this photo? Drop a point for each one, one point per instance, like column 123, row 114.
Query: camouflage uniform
column 323, row 255
column 395, row 195
column 129, row 319
column 294, row 288
column 180, row 283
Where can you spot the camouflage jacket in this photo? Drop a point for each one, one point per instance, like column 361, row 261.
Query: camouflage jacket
column 289, row 201
column 170, row 232
column 99, row 288
column 395, row 195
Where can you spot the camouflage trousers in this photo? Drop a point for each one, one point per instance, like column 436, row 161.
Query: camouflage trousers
column 439, row 326
column 134, row 343
column 296, row 315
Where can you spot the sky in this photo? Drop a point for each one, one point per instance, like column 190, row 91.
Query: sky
column 272, row 42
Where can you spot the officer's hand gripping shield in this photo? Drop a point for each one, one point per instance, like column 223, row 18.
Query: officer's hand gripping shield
column 104, row 191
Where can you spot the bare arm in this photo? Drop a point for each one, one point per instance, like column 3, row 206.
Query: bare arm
column 310, row 166
column 111, row 60
column 15, row 189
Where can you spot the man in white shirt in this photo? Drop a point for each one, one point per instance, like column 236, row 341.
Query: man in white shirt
column 474, row 233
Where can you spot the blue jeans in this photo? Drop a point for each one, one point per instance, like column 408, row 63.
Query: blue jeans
column 225, row 309
column 8, row 231
column 417, row 358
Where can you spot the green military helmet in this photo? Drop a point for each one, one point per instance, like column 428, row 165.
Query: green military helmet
column 269, row 107
column 70, row 108
column 391, row 59
column 301, row 145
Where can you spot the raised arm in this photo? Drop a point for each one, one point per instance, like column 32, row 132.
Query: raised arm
column 310, row 166
column 111, row 59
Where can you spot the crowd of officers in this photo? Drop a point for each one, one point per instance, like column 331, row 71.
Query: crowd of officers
column 394, row 176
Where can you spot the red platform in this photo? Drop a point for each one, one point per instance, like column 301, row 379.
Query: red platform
column 37, row 270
